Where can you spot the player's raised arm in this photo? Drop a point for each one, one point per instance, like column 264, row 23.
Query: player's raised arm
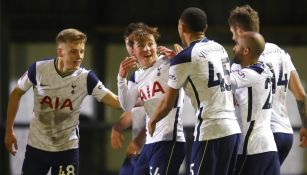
column 13, row 105
column 128, row 94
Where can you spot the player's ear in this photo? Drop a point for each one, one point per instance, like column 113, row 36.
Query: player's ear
column 238, row 30
column 60, row 52
column 184, row 27
column 205, row 30
column 246, row 50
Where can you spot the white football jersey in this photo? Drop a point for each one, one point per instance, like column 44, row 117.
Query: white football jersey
column 203, row 70
column 57, row 101
column 150, row 86
column 255, row 108
column 281, row 66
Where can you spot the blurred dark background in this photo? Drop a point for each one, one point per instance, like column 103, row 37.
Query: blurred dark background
column 26, row 24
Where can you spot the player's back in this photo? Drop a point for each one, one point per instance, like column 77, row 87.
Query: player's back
column 209, row 78
column 281, row 66
column 205, row 65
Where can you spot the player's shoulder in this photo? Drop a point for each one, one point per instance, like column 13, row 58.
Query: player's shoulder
column 271, row 48
column 42, row 65
column 45, row 61
column 162, row 59
column 183, row 56
column 255, row 68
column 258, row 69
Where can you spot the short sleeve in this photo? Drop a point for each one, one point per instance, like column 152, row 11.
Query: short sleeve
column 95, row 86
column 180, row 68
column 28, row 79
column 289, row 63
column 24, row 82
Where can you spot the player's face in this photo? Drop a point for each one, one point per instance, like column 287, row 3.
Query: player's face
column 238, row 51
column 145, row 51
column 180, row 32
column 235, row 33
column 72, row 54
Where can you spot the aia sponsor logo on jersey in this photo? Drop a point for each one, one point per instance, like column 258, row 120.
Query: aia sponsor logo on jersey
column 56, row 103
column 148, row 92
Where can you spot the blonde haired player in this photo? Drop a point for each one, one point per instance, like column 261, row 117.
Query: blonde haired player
column 59, row 85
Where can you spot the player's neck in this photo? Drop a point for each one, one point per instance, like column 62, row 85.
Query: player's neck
column 195, row 36
column 250, row 62
column 59, row 65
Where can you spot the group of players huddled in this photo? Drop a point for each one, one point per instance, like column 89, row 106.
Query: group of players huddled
column 242, row 125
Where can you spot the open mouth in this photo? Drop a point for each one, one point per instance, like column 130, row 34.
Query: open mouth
column 147, row 56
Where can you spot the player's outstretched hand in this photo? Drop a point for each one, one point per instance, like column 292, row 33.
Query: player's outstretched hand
column 11, row 142
column 126, row 65
column 169, row 53
column 151, row 127
column 303, row 137
column 117, row 139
